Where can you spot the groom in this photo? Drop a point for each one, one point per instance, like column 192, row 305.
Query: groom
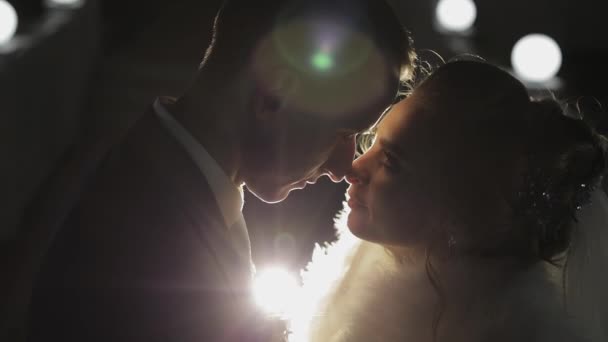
column 154, row 246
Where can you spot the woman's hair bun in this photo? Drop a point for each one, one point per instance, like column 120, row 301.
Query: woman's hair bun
column 566, row 159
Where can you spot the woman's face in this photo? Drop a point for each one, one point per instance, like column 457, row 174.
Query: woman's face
column 394, row 190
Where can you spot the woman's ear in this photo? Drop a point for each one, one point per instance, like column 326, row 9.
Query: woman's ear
column 271, row 95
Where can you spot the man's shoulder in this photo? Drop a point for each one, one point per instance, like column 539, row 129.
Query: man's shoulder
column 136, row 196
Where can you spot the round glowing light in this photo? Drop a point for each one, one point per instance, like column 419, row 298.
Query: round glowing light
column 536, row 58
column 8, row 22
column 64, row 2
column 274, row 290
column 322, row 61
column 456, row 15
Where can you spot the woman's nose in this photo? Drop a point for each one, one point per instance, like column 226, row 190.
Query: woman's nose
column 356, row 173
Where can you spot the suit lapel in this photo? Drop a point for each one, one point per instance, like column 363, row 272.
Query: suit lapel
column 195, row 198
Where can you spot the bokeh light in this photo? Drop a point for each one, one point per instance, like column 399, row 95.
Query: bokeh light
column 275, row 290
column 456, row 15
column 64, row 2
column 536, row 58
column 8, row 22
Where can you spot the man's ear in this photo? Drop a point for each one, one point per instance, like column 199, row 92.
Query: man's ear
column 273, row 93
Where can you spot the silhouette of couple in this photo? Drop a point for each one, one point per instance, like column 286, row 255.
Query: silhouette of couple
column 455, row 212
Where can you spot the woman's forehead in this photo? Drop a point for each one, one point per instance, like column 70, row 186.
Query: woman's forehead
column 402, row 118
column 413, row 128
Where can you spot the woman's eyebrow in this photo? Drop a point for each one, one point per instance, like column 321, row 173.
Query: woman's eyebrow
column 391, row 146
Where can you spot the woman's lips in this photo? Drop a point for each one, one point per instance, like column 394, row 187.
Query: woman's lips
column 355, row 203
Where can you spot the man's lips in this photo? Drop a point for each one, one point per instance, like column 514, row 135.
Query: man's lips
column 307, row 180
column 302, row 184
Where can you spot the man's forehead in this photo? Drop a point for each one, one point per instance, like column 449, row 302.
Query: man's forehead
column 337, row 72
column 364, row 119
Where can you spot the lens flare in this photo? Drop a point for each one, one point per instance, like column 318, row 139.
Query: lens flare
column 313, row 45
column 275, row 291
column 322, row 61
column 339, row 71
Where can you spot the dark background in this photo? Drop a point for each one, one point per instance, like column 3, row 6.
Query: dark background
column 72, row 74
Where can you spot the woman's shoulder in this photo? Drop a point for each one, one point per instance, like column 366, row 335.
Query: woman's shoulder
column 493, row 301
column 531, row 308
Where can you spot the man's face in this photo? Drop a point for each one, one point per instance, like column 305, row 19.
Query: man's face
column 330, row 82
column 304, row 147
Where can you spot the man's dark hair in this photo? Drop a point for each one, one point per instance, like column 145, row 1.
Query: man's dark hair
column 240, row 24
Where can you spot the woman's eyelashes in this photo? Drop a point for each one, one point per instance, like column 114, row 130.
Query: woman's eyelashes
column 390, row 162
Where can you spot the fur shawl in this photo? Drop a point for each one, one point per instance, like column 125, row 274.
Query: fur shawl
column 355, row 291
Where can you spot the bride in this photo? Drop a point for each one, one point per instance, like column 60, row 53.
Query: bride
column 465, row 204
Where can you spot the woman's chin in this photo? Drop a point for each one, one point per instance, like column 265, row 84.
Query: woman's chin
column 358, row 224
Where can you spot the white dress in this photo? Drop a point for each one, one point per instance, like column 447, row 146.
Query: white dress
column 355, row 291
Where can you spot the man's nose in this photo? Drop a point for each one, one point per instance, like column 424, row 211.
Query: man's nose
column 340, row 161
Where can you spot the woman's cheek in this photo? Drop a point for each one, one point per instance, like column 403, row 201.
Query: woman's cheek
column 389, row 205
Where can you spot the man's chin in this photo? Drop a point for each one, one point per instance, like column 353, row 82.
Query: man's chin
column 275, row 194
column 271, row 196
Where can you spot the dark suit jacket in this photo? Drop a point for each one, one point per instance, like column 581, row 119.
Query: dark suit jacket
column 144, row 255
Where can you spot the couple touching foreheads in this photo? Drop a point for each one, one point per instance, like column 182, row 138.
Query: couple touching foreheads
column 459, row 209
